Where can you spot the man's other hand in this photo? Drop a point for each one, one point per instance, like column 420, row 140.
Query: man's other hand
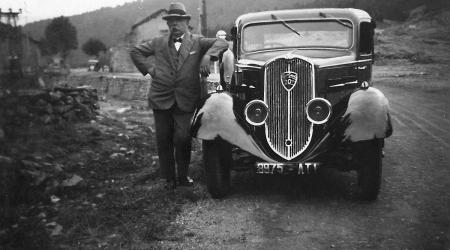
column 204, row 65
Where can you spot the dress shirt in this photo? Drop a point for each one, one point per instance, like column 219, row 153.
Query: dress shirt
column 178, row 44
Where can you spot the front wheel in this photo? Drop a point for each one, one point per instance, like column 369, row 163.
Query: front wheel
column 217, row 160
column 368, row 159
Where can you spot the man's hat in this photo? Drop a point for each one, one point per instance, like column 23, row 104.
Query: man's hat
column 176, row 10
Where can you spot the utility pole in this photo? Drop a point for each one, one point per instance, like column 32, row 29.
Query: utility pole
column 203, row 23
column 14, row 44
column 10, row 17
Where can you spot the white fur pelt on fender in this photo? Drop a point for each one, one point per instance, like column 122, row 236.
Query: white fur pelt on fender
column 368, row 116
column 216, row 119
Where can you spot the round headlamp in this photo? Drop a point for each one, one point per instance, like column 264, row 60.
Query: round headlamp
column 256, row 112
column 318, row 110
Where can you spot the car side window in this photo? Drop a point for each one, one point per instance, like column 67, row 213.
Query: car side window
column 366, row 37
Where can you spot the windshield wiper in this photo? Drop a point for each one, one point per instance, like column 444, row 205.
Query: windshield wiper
column 321, row 14
column 286, row 25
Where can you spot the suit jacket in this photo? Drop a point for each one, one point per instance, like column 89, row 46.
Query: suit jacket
column 175, row 74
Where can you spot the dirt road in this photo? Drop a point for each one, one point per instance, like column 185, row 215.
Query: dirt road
column 320, row 212
column 122, row 204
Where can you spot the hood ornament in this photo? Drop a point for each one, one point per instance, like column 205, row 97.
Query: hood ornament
column 289, row 79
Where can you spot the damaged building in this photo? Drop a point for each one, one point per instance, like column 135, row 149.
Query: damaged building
column 144, row 30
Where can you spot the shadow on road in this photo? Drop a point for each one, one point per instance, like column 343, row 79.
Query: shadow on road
column 326, row 184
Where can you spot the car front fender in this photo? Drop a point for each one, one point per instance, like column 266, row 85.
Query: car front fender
column 367, row 115
column 216, row 118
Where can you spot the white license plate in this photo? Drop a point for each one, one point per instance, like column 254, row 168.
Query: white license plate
column 299, row 168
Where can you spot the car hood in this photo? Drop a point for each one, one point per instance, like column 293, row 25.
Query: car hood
column 321, row 58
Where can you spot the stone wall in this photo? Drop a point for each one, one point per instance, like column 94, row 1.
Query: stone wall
column 110, row 85
column 31, row 107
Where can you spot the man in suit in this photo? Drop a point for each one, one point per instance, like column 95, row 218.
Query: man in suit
column 176, row 89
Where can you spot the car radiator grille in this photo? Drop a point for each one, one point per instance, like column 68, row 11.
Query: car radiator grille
column 288, row 131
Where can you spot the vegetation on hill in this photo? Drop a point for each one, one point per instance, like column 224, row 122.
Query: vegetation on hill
column 110, row 25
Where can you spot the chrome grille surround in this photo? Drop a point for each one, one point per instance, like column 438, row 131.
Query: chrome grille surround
column 288, row 130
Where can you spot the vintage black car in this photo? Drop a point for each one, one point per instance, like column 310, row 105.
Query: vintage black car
column 296, row 95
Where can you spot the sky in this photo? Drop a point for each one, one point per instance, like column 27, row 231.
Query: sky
column 34, row 10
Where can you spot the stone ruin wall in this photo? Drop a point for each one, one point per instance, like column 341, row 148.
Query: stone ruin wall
column 110, row 86
column 43, row 107
column 71, row 98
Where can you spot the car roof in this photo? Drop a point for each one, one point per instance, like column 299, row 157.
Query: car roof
column 348, row 13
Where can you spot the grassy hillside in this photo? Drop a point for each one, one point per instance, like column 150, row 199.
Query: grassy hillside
column 111, row 24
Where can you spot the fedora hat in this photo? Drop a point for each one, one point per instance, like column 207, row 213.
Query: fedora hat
column 176, row 10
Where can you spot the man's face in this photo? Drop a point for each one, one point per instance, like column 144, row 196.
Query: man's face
column 178, row 26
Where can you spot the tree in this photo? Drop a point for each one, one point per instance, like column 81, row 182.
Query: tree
column 92, row 47
column 61, row 36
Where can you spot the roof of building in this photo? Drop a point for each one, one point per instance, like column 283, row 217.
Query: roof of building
column 148, row 18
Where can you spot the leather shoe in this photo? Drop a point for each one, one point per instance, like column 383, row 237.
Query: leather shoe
column 185, row 181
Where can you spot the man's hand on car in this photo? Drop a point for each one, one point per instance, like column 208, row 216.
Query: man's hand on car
column 204, row 65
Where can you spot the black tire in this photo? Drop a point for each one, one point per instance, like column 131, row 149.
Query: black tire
column 217, row 160
column 368, row 157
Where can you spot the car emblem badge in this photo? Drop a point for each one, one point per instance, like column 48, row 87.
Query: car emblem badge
column 289, row 79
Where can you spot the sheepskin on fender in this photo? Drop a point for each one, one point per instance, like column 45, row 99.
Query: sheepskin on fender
column 215, row 118
column 368, row 116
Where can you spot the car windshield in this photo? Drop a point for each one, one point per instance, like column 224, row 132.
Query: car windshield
column 320, row 34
